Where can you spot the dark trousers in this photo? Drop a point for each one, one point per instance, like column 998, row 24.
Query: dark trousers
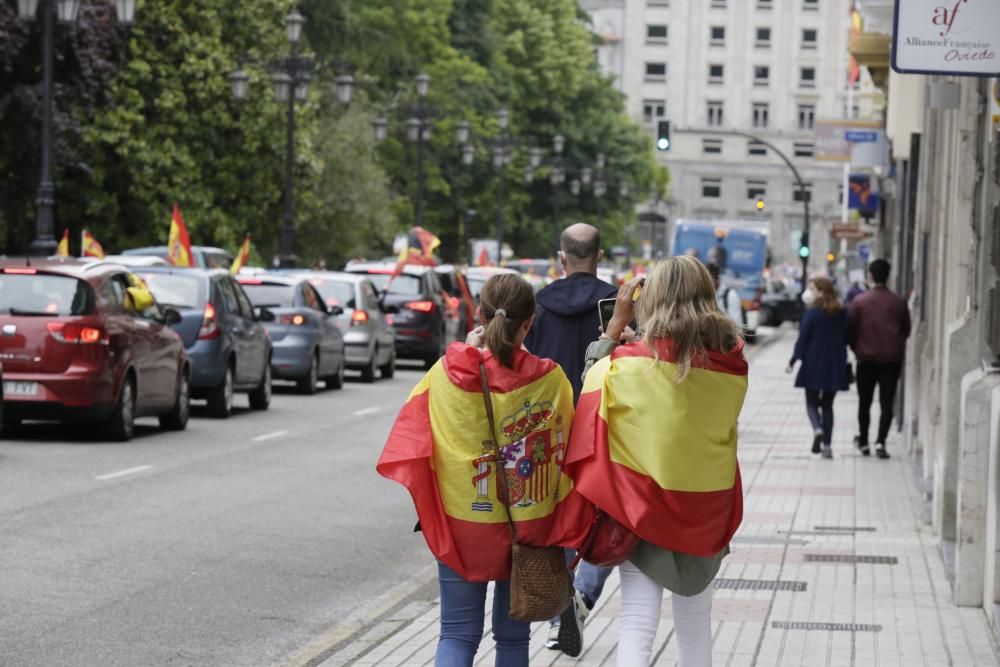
column 885, row 374
column 819, row 407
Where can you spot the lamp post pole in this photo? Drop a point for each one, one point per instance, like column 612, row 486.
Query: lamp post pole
column 500, row 161
column 557, row 178
column 286, row 253
column 423, row 83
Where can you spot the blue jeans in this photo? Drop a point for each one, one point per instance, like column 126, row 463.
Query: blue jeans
column 462, row 616
column 588, row 580
column 819, row 407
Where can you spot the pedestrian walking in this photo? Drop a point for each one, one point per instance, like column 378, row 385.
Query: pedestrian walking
column 566, row 323
column 822, row 349
column 654, row 446
column 728, row 298
column 880, row 325
column 442, row 449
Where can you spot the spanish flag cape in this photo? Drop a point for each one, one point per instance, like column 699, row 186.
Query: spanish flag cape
column 440, row 450
column 660, row 457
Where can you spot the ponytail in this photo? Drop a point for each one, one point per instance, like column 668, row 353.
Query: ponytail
column 506, row 302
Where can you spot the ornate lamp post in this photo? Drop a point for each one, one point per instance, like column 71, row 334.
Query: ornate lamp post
column 44, row 243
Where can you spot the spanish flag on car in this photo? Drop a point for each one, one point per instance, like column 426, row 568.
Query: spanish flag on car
column 242, row 257
column 658, row 456
column 440, row 450
column 89, row 247
column 178, row 241
column 62, row 250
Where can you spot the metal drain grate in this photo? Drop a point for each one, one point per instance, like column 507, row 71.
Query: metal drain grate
column 841, row 558
column 852, row 529
column 764, row 539
column 760, row 585
column 833, row 533
column 849, row 627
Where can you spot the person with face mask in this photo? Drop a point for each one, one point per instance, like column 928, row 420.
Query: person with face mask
column 822, row 349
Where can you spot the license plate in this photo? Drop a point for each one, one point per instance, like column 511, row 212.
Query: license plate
column 20, row 388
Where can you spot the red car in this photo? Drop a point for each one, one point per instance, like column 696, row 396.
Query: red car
column 85, row 341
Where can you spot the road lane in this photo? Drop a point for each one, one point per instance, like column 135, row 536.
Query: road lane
column 230, row 548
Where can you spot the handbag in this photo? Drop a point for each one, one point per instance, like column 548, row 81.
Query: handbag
column 608, row 543
column 541, row 586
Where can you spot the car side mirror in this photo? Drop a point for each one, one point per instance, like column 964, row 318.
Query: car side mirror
column 171, row 317
column 265, row 315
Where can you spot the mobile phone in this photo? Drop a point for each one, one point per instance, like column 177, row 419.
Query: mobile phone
column 605, row 310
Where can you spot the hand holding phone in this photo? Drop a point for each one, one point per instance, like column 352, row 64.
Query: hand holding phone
column 605, row 311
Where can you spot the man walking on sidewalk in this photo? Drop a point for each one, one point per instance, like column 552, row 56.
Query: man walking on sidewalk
column 566, row 322
column 880, row 325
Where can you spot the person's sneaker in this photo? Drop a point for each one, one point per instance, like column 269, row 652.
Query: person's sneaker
column 827, row 452
column 817, row 441
column 571, row 626
column 552, row 643
column 862, row 446
column 880, row 450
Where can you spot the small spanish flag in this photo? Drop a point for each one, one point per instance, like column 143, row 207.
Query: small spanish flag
column 419, row 249
column 62, row 250
column 242, row 257
column 89, row 247
column 658, row 456
column 178, row 242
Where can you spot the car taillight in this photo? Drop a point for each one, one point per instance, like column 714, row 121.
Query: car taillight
column 209, row 324
column 389, row 319
column 295, row 320
column 421, row 306
column 67, row 332
column 359, row 317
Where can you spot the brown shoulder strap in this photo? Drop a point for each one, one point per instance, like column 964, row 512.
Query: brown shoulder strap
column 497, row 459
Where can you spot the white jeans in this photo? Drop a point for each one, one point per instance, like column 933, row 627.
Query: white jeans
column 640, row 616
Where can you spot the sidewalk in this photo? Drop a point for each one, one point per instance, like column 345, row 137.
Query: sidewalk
column 832, row 565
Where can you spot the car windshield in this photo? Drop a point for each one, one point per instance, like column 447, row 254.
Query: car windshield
column 335, row 292
column 270, row 294
column 475, row 286
column 40, row 294
column 174, row 290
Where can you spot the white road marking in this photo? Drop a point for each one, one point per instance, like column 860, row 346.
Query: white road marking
column 366, row 411
column 270, row 436
column 122, row 473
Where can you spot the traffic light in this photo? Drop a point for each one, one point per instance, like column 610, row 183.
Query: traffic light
column 830, row 258
column 663, row 135
column 759, row 204
column 804, row 252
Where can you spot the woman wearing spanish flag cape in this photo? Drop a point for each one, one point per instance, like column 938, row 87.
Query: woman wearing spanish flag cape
column 440, row 449
column 654, row 445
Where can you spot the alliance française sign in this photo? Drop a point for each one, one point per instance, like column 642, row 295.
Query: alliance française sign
column 959, row 37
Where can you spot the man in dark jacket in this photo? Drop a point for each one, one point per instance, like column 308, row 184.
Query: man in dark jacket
column 880, row 325
column 566, row 322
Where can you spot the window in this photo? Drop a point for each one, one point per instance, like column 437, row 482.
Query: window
column 246, row 310
column 807, row 77
column 807, row 116
column 804, row 150
column 656, row 34
column 715, row 73
column 765, row 4
column 717, row 36
column 711, row 188
column 711, row 146
column 715, row 114
column 756, row 149
column 763, row 40
column 761, row 75
column 810, row 5
column 718, row 4
column 657, row 3
column 230, row 302
column 809, row 38
column 653, row 109
column 840, row 193
column 760, row 114
column 756, row 189
column 798, row 194
column 656, row 71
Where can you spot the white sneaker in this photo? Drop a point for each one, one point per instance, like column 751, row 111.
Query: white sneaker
column 552, row 643
column 570, row 635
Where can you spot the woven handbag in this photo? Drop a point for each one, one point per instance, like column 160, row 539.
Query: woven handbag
column 541, row 586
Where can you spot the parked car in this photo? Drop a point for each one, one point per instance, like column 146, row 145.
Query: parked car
column 369, row 339
column 780, row 303
column 307, row 345
column 204, row 257
column 461, row 305
column 414, row 299
column 86, row 341
column 133, row 261
column 229, row 349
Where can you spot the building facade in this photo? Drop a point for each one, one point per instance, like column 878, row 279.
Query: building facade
column 762, row 67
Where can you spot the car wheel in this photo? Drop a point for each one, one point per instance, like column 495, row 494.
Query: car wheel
column 220, row 399
column 121, row 425
column 389, row 368
column 260, row 398
column 336, row 381
column 177, row 418
column 368, row 372
column 307, row 384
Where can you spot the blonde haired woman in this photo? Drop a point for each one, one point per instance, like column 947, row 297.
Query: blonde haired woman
column 654, row 446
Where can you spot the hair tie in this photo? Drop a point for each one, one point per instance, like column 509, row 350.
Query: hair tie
column 500, row 312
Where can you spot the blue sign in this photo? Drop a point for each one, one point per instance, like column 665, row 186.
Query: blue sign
column 860, row 196
column 861, row 136
column 864, row 252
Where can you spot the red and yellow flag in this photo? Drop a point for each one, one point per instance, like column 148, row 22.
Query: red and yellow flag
column 178, row 242
column 62, row 250
column 242, row 257
column 419, row 250
column 660, row 457
column 89, row 247
column 440, row 450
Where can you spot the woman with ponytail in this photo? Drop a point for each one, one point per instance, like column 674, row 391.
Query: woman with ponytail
column 442, row 450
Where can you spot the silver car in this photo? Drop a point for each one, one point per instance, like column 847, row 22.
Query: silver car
column 369, row 339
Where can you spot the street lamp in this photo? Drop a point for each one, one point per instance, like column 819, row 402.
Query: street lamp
column 44, row 243
column 381, row 126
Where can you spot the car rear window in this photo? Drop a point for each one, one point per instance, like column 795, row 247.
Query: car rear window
column 174, row 290
column 44, row 294
column 402, row 284
column 335, row 293
column 270, row 294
